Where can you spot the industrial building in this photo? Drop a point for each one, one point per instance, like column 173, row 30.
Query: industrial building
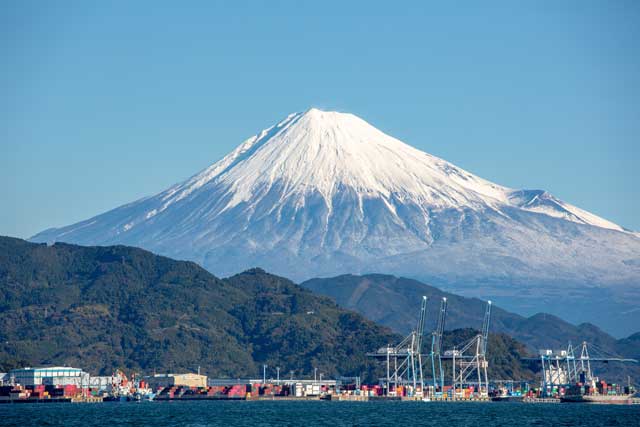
column 56, row 375
column 170, row 380
column 103, row 382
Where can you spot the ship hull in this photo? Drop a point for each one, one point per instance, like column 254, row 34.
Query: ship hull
column 604, row 400
column 507, row 398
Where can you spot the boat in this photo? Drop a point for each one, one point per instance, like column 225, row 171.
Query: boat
column 133, row 397
column 505, row 395
column 579, row 393
column 616, row 399
column 124, row 390
column 507, row 398
column 563, row 368
column 144, row 394
column 116, row 398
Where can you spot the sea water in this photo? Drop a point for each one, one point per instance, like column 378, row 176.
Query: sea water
column 312, row 413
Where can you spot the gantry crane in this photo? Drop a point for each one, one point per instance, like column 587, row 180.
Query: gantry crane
column 436, row 347
column 419, row 341
column 470, row 360
column 406, row 358
column 561, row 368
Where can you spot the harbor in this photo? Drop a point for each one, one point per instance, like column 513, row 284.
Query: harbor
column 459, row 374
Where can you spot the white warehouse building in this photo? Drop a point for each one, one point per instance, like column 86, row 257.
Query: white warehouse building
column 55, row 375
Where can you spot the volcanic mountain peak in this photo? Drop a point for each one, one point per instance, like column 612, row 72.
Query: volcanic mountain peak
column 324, row 193
column 319, row 156
column 327, row 152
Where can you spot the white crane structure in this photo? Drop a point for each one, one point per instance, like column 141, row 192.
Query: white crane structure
column 561, row 368
column 436, row 347
column 469, row 362
column 404, row 360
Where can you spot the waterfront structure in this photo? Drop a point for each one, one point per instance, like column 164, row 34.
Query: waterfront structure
column 103, row 382
column 469, row 361
column 55, row 375
column 171, row 380
column 563, row 369
column 407, row 360
column 554, row 372
column 436, row 348
column 404, row 363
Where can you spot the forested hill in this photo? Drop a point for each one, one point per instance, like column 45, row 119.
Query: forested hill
column 395, row 301
column 106, row 307
column 102, row 308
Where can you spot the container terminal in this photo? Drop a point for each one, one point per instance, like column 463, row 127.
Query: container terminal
column 457, row 374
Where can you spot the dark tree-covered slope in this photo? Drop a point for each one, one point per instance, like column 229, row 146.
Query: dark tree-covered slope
column 102, row 308
column 395, row 301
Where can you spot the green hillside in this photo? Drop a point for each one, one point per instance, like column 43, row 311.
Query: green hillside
column 102, row 308
column 395, row 301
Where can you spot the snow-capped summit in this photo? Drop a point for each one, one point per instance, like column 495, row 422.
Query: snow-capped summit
column 325, row 151
column 324, row 193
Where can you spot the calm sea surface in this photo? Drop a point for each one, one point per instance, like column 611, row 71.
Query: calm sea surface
column 265, row 413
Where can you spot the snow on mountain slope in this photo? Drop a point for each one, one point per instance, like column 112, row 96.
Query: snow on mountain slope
column 324, row 193
column 543, row 202
column 325, row 151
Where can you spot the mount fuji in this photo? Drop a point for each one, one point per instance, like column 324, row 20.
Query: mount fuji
column 324, row 193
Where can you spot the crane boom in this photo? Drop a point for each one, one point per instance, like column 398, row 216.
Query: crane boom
column 420, row 328
column 440, row 326
column 485, row 327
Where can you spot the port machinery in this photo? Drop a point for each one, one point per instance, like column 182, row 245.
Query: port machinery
column 404, row 361
column 436, row 347
column 562, row 368
column 469, row 362
column 406, row 358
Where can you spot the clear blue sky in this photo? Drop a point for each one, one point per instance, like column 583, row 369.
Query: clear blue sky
column 105, row 102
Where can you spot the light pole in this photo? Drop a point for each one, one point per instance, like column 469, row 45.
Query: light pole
column 278, row 375
column 315, row 375
column 264, row 374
